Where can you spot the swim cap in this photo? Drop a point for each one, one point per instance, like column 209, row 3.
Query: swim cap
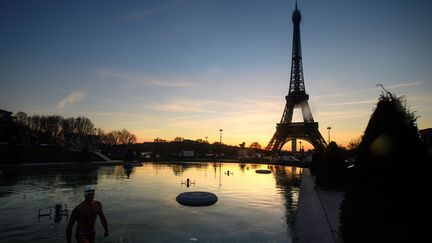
column 88, row 190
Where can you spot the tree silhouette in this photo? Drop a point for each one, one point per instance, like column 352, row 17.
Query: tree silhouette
column 255, row 145
column 316, row 159
column 332, row 171
column 387, row 200
column 21, row 117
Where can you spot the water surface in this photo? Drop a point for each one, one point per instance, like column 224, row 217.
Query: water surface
column 140, row 204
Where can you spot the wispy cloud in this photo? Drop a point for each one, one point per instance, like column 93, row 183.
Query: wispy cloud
column 170, row 84
column 359, row 102
column 117, row 114
column 239, row 113
column 343, row 93
column 137, row 16
column 359, row 91
column 188, row 105
column 408, row 84
column 72, row 98
column 343, row 114
column 128, row 80
column 236, row 106
column 183, row 118
column 140, row 15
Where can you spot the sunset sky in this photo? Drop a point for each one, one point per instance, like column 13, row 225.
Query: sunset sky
column 190, row 67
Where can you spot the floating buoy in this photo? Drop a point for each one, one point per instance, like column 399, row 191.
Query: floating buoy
column 188, row 182
column 196, row 198
column 263, row 171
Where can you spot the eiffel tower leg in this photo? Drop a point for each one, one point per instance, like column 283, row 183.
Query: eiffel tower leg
column 288, row 113
column 277, row 141
column 270, row 144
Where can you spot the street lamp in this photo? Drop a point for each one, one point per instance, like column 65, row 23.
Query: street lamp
column 329, row 128
column 301, row 154
column 220, row 143
column 220, row 157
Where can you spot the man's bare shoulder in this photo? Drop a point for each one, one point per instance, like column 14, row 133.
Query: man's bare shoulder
column 79, row 205
column 97, row 204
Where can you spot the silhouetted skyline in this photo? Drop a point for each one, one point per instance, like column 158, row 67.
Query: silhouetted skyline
column 188, row 68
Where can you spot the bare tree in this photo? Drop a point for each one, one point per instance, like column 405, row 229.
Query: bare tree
column 69, row 125
column 84, row 126
column 100, row 131
column 52, row 126
column 47, row 128
column 159, row 140
column 353, row 144
column 22, row 118
column 79, row 125
column 199, row 140
column 255, row 145
column 35, row 123
column 110, row 138
column 125, row 137
column 103, row 137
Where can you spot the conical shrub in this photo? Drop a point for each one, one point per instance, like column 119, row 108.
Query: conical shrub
column 332, row 170
column 388, row 198
column 316, row 159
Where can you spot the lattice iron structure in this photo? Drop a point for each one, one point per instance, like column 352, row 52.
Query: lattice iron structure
column 287, row 130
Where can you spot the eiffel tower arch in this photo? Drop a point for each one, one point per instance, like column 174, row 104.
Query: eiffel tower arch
column 286, row 130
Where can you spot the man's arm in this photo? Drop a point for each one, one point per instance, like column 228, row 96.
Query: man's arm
column 71, row 222
column 103, row 220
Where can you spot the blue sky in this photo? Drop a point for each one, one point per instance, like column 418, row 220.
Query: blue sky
column 189, row 67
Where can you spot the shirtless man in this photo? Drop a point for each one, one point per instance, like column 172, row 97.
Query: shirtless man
column 85, row 213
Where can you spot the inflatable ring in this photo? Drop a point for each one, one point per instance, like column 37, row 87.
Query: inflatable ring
column 263, row 171
column 196, row 198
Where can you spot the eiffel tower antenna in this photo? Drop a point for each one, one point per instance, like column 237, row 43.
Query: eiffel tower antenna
column 287, row 130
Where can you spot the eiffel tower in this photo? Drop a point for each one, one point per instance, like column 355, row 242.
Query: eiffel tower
column 287, row 130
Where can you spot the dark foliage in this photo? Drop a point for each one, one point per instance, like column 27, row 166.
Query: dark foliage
column 12, row 154
column 316, row 159
column 387, row 199
column 332, row 170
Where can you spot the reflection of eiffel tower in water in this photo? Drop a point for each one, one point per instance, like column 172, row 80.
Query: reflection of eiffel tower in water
column 287, row 130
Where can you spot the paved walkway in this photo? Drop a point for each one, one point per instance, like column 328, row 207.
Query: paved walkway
column 318, row 213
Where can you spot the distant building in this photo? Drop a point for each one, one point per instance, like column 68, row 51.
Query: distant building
column 5, row 115
column 242, row 152
column 426, row 137
column 186, row 154
column 6, row 119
